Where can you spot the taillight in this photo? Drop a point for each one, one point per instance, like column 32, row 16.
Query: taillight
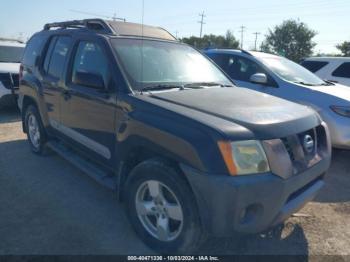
column 20, row 72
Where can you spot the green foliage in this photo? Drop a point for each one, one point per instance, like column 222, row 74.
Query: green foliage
column 292, row 39
column 213, row 41
column 344, row 48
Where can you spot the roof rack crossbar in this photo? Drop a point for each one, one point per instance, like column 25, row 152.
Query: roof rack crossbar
column 94, row 24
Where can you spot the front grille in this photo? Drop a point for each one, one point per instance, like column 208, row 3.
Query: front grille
column 288, row 148
column 9, row 80
column 306, row 148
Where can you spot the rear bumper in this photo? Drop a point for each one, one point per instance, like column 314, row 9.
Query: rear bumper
column 251, row 204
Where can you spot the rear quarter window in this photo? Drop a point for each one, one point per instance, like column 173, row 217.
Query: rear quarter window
column 342, row 71
column 33, row 49
column 314, row 66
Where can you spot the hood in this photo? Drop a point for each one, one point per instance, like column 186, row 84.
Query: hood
column 336, row 90
column 263, row 115
column 9, row 68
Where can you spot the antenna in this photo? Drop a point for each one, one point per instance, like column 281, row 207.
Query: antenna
column 142, row 19
column 114, row 17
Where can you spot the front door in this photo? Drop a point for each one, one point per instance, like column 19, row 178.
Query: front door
column 88, row 109
column 240, row 69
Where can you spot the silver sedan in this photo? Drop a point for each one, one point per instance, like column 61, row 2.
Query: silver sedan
column 281, row 77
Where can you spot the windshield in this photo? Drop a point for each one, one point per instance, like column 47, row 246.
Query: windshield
column 291, row 71
column 11, row 54
column 151, row 62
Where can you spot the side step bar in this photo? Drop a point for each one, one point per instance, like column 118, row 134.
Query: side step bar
column 83, row 164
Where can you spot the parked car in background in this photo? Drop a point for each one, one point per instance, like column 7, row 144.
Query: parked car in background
column 283, row 78
column 11, row 51
column 188, row 153
column 334, row 69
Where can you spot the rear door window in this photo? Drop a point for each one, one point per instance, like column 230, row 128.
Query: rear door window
column 342, row 71
column 58, row 56
column 314, row 66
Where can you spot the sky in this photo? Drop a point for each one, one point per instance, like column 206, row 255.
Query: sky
column 22, row 18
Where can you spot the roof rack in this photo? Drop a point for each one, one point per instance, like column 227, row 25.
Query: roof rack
column 92, row 24
column 115, row 28
column 11, row 40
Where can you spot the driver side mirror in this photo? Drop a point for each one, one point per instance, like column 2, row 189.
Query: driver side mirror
column 259, row 78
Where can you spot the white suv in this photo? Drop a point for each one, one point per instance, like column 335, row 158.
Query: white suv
column 10, row 57
column 334, row 69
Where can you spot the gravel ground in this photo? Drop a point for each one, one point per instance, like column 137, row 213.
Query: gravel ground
column 49, row 207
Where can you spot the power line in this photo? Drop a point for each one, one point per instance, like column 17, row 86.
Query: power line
column 202, row 23
column 242, row 32
column 256, row 38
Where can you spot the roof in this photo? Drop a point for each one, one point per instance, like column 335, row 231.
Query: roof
column 116, row 28
column 240, row 51
column 327, row 58
column 224, row 51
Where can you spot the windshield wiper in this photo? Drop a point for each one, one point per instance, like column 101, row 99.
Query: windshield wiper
column 195, row 85
column 15, row 62
column 160, row 87
column 328, row 83
column 303, row 83
column 201, row 84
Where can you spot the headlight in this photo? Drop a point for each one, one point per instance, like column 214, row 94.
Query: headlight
column 244, row 157
column 341, row 110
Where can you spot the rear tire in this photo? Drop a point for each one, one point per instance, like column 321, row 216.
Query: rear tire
column 35, row 130
column 162, row 209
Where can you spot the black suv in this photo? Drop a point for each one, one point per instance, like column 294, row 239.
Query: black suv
column 188, row 153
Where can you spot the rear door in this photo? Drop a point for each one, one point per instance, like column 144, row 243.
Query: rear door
column 88, row 112
column 52, row 75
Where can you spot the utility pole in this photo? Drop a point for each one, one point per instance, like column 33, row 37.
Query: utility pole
column 176, row 33
column 256, row 38
column 202, row 23
column 242, row 31
column 115, row 18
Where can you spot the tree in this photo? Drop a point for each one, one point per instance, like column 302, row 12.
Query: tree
column 292, row 39
column 344, row 48
column 213, row 41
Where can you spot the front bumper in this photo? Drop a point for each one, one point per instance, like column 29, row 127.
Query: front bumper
column 253, row 203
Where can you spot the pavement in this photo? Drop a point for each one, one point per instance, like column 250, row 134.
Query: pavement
column 49, row 207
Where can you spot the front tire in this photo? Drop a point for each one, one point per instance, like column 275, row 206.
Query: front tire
column 35, row 130
column 162, row 209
